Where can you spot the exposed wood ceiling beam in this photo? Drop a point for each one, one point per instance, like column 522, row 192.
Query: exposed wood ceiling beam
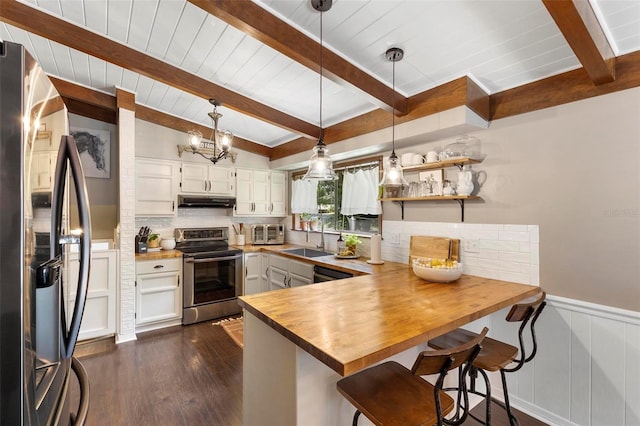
column 251, row 19
column 564, row 88
column 580, row 27
column 101, row 106
column 86, row 102
column 63, row 32
column 125, row 100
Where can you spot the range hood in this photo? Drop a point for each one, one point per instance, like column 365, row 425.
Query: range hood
column 210, row 201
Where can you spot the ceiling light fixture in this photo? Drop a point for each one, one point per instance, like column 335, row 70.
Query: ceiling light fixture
column 220, row 145
column 320, row 165
column 393, row 180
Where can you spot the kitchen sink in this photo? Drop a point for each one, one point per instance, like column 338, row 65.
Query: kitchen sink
column 306, row 252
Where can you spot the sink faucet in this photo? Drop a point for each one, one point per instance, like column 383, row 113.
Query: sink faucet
column 321, row 245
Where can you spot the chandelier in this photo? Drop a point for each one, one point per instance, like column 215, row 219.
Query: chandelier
column 220, row 142
column 320, row 165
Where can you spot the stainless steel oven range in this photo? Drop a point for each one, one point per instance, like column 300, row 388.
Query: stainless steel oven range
column 212, row 274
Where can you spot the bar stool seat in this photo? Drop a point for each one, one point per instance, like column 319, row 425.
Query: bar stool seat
column 494, row 355
column 391, row 394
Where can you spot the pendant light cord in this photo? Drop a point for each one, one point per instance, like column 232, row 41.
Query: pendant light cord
column 393, row 109
column 321, row 55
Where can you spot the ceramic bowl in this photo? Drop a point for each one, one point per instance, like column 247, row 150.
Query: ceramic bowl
column 168, row 243
column 438, row 275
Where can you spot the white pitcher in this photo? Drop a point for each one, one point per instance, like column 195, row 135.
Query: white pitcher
column 465, row 180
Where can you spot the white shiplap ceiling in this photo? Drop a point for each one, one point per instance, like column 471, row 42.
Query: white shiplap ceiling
column 501, row 44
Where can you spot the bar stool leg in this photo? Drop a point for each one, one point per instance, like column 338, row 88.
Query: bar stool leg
column 487, row 397
column 513, row 421
column 355, row 418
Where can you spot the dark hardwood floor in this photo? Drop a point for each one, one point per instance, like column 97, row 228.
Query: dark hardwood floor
column 176, row 376
column 189, row 375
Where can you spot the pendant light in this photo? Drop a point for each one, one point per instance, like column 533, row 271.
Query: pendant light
column 320, row 165
column 393, row 179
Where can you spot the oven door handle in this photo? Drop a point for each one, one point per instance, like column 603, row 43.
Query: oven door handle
column 211, row 259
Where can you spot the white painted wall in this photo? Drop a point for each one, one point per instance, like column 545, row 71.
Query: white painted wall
column 103, row 193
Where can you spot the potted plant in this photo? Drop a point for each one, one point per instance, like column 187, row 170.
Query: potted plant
column 350, row 243
column 304, row 220
column 313, row 223
column 153, row 241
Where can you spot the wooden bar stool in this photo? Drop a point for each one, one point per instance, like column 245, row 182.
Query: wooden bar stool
column 496, row 355
column 390, row 394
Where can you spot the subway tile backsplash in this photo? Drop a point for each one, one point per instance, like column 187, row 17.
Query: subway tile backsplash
column 505, row 252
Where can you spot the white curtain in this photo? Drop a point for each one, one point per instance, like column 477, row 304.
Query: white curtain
column 304, row 196
column 360, row 192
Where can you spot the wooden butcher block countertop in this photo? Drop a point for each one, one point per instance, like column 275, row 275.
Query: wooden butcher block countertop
column 353, row 323
column 156, row 255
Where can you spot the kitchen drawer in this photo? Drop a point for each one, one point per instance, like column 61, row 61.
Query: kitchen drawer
column 160, row 265
column 278, row 261
column 302, row 269
column 278, row 278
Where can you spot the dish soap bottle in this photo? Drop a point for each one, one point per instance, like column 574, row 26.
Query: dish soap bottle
column 340, row 245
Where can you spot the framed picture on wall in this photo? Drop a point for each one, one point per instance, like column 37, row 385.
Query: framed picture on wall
column 431, row 182
column 95, row 151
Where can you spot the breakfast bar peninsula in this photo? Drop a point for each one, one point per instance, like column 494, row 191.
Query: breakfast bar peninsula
column 298, row 342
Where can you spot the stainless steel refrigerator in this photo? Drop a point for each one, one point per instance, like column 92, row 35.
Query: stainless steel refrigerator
column 37, row 181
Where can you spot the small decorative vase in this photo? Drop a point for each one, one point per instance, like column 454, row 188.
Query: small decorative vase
column 168, row 243
column 465, row 181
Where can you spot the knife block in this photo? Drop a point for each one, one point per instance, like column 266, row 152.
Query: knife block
column 140, row 246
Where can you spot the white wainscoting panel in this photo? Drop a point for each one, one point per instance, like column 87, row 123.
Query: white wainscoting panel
column 586, row 371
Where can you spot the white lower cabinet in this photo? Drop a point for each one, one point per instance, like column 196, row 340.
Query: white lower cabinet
column 158, row 291
column 99, row 318
column 256, row 273
column 300, row 273
column 285, row 272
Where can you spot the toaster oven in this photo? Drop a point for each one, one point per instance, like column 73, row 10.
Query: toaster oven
column 267, row 234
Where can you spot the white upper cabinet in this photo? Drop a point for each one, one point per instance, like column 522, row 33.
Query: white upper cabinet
column 156, row 183
column 278, row 192
column 210, row 179
column 260, row 193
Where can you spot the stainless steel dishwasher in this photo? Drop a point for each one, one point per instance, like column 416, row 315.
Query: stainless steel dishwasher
column 321, row 274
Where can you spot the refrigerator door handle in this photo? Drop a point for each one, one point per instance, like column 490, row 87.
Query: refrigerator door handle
column 69, row 151
column 83, row 382
column 48, row 273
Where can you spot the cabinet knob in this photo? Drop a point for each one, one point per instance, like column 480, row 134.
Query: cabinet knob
column 158, row 267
